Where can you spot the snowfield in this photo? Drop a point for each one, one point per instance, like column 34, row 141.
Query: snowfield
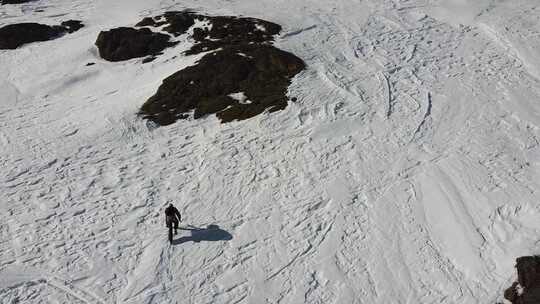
column 407, row 171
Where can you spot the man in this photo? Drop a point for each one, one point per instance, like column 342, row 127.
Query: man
column 172, row 216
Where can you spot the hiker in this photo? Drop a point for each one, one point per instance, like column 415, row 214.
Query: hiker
column 172, row 216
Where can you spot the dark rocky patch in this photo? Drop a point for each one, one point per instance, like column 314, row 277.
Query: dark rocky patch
column 241, row 59
column 125, row 43
column 14, row 35
column 527, row 289
column 15, row 1
column 72, row 26
column 261, row 72
column 246, row 63
column 177, row 22
column 227, row 31
column 224, row 30
column 90, row 64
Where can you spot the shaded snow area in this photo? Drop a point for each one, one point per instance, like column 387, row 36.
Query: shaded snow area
column 406, row 171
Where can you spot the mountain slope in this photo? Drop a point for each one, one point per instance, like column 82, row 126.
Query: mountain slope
column 406, row 172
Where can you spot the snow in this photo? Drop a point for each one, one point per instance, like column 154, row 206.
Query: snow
column 407, row 171
column 202, row 24
column 240, row 97
column 260, row 27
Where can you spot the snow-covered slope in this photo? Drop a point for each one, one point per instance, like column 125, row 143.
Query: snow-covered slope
column 408, row 170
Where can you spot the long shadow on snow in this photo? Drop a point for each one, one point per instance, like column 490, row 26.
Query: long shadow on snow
column 212, row 233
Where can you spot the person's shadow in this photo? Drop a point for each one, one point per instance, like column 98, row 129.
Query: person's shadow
column 212, row 233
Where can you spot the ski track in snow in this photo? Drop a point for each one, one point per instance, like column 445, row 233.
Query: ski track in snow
column 406, row 172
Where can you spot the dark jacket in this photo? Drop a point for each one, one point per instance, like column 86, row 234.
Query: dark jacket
column 173, row 213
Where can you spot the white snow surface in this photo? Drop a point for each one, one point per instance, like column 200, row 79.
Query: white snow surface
column 408, row 170
column 240, row 97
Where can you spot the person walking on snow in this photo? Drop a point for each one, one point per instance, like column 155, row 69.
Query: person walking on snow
column 172, row 216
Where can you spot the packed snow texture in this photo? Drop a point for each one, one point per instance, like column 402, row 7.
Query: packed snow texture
column 407, row 171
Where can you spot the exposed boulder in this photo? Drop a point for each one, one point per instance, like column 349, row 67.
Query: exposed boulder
column 126, row 43
column 236, row 83
column 177, row 22
column 14, row 35
column 527, row 289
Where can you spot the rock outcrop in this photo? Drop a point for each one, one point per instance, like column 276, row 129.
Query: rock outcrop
column 242, row 74
column 71, row 26
column 215, row 32
column 125, row 43
column 13, row 36
column 527, row 288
